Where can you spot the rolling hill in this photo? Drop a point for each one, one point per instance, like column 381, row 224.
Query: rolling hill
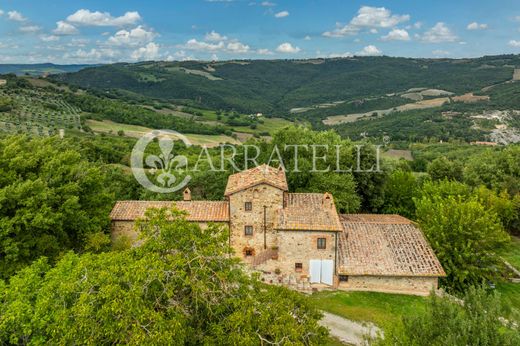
column 277, row 86
column 39, row 69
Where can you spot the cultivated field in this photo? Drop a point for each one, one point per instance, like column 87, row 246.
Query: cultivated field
column 38, row 112
column 107, row 126
column 348, row 118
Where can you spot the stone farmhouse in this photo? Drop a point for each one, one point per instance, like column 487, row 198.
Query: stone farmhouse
column 300, row 240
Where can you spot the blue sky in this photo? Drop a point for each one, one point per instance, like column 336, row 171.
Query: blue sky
column 110, row 31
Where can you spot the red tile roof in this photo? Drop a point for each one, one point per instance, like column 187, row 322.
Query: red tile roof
column 308, row 212
column 263, row 174
column 199, row 211
column 385, row 245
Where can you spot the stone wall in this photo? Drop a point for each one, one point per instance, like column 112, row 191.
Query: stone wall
column 123, row 229
column 301, row 247
column 260, row 196
column 391, row 284
column 126, row 230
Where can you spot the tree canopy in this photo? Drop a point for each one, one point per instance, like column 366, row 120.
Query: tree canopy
column 181, row 286
column 50, row 200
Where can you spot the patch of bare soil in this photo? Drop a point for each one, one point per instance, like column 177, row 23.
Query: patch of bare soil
column 516, row 74
column 3, row 82
column 470, row 98
column 339, row 119
column 399, row 154
column 242, row 137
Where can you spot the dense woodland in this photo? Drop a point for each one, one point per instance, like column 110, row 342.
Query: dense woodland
column 279, row 85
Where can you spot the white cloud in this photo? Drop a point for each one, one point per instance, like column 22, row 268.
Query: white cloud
column 193, row 44
column 282, row 14
column 267, row 4
column 134, row 37
column 237, row 47
column 49, row 38
column 342, row 30
column 476, row 26
column 286, row 47
column 440, row 52
column 369, row 50
column 148, row 52
column 1, row 13
column 64, row 28
column 30, row 28
column 88, row 18
column 514, row 43
column 217, row 43
column 397, row 35
column 93, row 55
column 439, row 33
column 340, row 55
column 369, row 18
column 377, row 17
column 16, row 16
column 264, row 51
column 307, row 38
column 214, row 37
column 417, row 25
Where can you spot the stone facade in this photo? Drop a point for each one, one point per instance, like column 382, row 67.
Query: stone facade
column 301, row 247
column 277, row 234
column 264, row 200
column 128, row 230
column 391, row 284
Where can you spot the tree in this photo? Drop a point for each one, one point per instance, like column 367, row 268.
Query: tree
column 442, row 168
column 463, row 233
column 477, row 322
column 179, row 287
column 303, row 175
column 50, row 200
column 399, row 190
column 342, row 187
column 6, row 104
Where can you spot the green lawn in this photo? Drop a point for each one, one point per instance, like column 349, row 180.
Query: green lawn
column 512, row 252
column 510, row 297
column 379, row 308
column 270, row 125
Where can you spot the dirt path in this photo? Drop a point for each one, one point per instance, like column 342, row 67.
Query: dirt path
column 348, row 331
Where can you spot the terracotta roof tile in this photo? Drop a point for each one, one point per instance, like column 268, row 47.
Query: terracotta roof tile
column 385, row 245
column 263, row 174
column 200, row 211
column 308, row 212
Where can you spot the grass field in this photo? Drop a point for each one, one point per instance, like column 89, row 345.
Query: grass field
column 512, row 252
column 270, row 125
column 379, row 308
column 136, row 131
column 510, row 297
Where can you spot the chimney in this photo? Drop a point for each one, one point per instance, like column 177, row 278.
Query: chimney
column 327, row 200
column 187, row 194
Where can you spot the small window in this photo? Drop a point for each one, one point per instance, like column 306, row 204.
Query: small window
column 248, row 230
column 248, row 206
column 343, row 278
column 249, row 253
column 322, row 243
column 298, row 267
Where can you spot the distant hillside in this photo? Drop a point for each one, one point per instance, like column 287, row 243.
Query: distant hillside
column 277, row 86
column 39, row 69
